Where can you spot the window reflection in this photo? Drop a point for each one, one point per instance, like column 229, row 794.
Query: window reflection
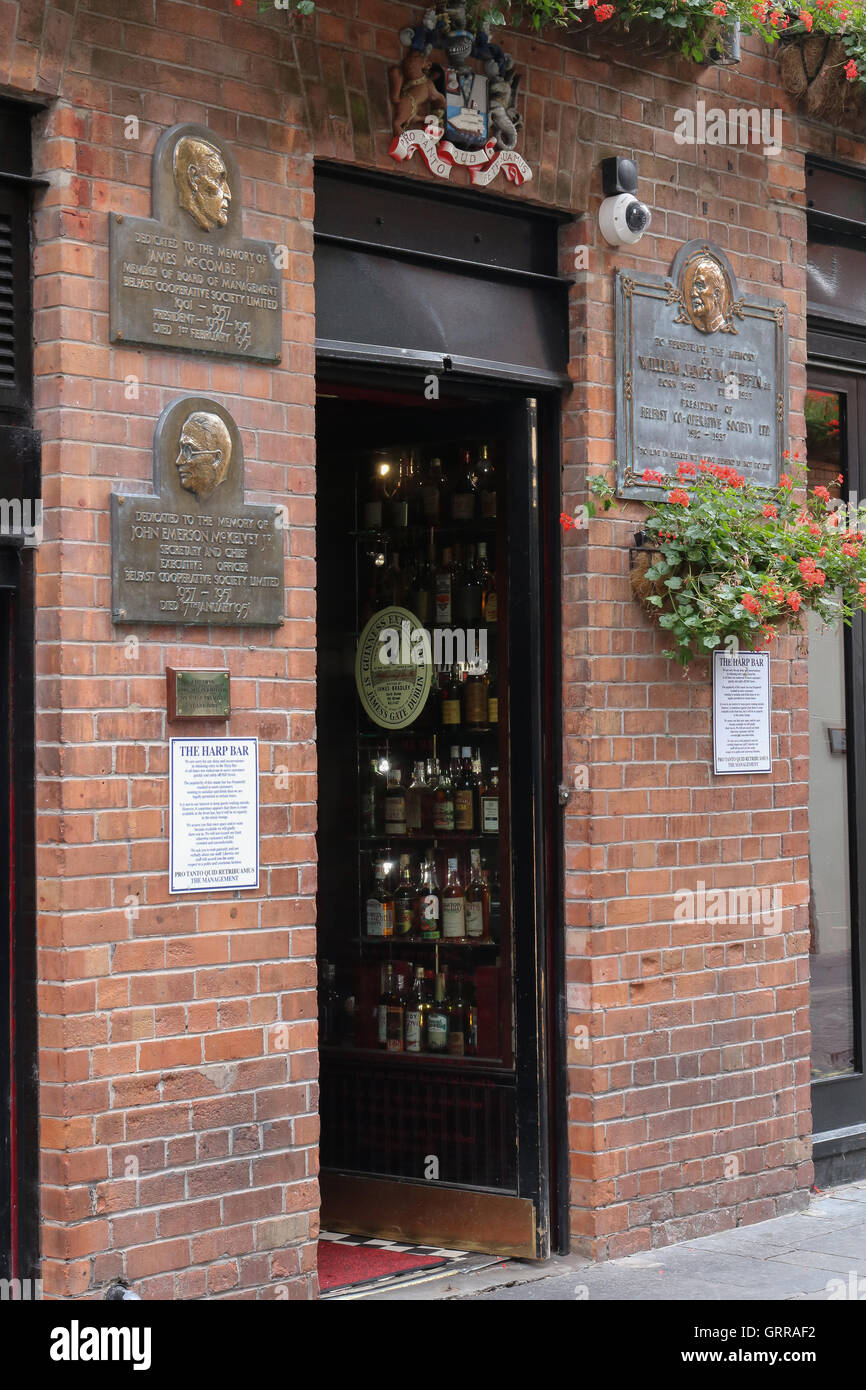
column 832, row 1017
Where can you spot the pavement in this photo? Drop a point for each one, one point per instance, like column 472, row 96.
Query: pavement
column 818, row 1254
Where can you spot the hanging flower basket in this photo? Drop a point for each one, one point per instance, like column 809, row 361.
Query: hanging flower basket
column 639, row 38
column 812, row 69
column 722, row 561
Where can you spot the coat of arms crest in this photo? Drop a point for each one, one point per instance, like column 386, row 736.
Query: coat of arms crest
column 462, row 110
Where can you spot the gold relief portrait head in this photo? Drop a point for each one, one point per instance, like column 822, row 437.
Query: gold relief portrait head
column 706, row 293
column 204, row 453
column 202, row 182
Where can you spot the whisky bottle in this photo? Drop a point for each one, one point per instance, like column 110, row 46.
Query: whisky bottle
column 476, row 785
column 415, row 795
column 374, row 512
column 456, row 1020
column 414, row 492
column 431, row 491
column 417, row 1009
column 486, row 484
column 428, row 905
column 398, row 504
column 429, row 799
column 443, row 803
column 454, row 905
column 421, row 599
column 395, row 803
column 476, row 701
column 380, row 905
column 442, row 588
column 404, row 900
column 470, row 1019
column 477, row 901
column 372, row 798
column 467, row 591
column 451, row 698
column 487, row 585
column 464, row 794
column 492, row 702
column 395, row 1013
column 384, row 1004
column 489, row 799
column 464, row 495
column 437, row 1019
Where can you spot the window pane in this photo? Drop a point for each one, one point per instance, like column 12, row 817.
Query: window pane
column 830, row 899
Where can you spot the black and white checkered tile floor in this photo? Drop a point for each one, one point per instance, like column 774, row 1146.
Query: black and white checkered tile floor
column 454, row 1261
column 435, row 1250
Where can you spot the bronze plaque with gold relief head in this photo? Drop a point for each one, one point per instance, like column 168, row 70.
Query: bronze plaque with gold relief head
column 195, row 551
column 701, row 373
column 187, row 277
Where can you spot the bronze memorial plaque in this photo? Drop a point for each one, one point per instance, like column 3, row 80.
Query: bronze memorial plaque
column 197, row 694
column 700, row 374
column 195, row 551
column 187, row 278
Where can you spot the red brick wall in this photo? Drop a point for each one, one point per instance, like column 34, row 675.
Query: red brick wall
column 178, row 1035
column 157, row 1033
column 689, row 1048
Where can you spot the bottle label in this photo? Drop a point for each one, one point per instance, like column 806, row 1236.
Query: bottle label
column 491, row 607
column 463, row 807
column 383, row 1024
column 443, row 815
column 404, row 919
column 493, row 709
column 453, row 917
column 488, row 505
column 437, row 1031
column 463, row 506
column 475, row 919
column 476, row 702
column 394, row 1028
column 413, row 811
column 451, row 711
column 490, row 814
column 375, row 917
column 413, row 1030
column 428, row 916
column 456, row 1042
column 443, row 598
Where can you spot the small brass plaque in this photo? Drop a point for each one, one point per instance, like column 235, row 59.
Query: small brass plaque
column 198, row 694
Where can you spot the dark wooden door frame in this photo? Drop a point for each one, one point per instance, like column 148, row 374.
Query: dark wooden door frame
column 839, row 1103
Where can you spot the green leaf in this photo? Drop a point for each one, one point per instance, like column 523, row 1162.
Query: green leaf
column 674, row 582
column 655, row 600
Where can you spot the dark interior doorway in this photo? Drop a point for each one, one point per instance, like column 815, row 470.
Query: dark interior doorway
column 443, row 1138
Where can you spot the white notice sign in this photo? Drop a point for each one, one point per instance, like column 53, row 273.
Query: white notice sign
column 741, row 712
column 214, row 795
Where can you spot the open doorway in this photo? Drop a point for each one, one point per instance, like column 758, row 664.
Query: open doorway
column 438, row 880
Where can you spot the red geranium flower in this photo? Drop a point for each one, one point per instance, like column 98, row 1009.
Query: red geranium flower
column 751, row 603
column 793, row 600
column 679, row 497
column 770, row 510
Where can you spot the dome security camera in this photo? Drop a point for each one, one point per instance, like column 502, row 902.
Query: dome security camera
column 623, row 219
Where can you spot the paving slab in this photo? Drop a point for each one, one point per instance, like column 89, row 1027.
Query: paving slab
column 791, row 1258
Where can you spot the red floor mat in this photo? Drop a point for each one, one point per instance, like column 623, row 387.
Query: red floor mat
column 342, row 1265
